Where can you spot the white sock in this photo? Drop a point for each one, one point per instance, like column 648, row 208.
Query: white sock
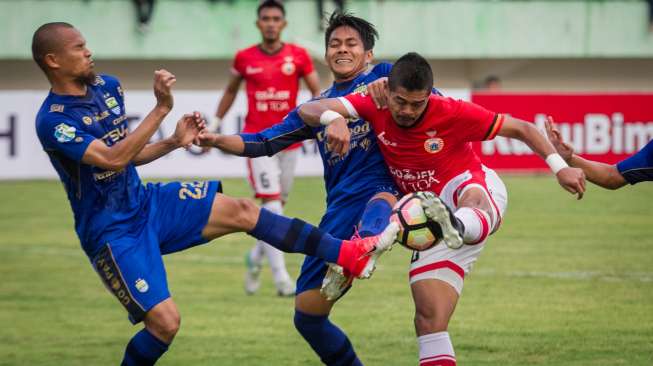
column 256, row 253
column 477, row 224
column 275, row 256
column 435, row 349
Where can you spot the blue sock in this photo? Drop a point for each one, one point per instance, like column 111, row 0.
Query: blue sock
column 327, row 340
column 375, row 217
column 295, row 236
column 143, row 350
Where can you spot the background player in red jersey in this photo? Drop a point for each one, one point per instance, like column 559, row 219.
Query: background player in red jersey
column 271, row 70
column 426, row 142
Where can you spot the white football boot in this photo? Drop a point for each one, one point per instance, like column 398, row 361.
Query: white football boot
column 438, row 211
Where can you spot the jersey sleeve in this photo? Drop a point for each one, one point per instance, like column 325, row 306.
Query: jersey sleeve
column 278, row 137
column 359, row 105
column 476, row 122
column 64, row 135
column 306, row 65
column 382, row 69
column 639, row 167
column 238, row 66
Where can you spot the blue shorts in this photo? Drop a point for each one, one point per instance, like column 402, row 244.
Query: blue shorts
column 131, row 267
column 339, row 221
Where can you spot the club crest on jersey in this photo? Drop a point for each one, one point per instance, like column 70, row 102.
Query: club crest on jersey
column 288, row 66
column 64, row 133
column 360, row 89
column 112, row 103
column 433, row 145
column 141, row 285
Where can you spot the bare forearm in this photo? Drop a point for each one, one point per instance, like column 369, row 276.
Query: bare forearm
column 230, row 144
column 126, row 150
column 156, row 150
column 601, row 174
column 310, row 113
column 529, row 134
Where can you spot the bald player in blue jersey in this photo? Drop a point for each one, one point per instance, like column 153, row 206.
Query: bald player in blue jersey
column 124, row 226
column 632, row 170
column 360, row 190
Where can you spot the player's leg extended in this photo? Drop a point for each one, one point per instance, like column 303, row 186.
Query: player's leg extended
column 313, row 306
column 230, row 215
column 374, row 219
column 435, row 301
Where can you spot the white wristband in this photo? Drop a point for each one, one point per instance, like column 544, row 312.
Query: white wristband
column 329, row 116
column 556, row 163
column 214, row 124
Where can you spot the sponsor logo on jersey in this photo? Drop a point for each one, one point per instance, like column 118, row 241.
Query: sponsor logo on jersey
column 288, row 66
column 98, row 81
column 87, row 120
column 79, row 139
column 253, row 70
column 112, row 103
column 385, row 141
column 56, row 108
column 101, row 116
column 64, row 133
column 141, row 285
column 115, row 135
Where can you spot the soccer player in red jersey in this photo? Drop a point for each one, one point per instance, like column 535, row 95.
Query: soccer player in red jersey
column 271, row 70
column 426, row 142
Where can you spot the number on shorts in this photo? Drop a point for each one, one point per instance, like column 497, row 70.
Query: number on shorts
column 194, row 190
column 265, row 182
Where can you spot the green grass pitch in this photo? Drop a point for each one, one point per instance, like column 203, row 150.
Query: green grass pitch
column 564, row 282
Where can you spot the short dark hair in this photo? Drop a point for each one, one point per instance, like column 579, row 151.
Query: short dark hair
column 411, row 72
column 270, row 4
column 365, row 29
column 46, row 40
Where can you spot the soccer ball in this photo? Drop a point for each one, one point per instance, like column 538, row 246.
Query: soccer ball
column 416, row 231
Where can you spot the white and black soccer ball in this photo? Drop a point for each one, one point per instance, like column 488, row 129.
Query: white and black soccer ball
column 416, row 231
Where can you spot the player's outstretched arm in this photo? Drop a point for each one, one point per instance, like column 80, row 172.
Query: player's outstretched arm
column 331, row 113
column 571, row 179
column 601, row 174
column 188, row 128
column 117, row 157
column 230, row 144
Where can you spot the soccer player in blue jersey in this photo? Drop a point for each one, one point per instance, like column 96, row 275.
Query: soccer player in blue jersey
column 360, row 191
column 635, row 169
column 124, row 226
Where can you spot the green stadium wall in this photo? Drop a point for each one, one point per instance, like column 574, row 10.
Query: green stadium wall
column 202, row 29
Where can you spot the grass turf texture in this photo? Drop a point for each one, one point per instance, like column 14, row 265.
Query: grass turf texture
column 563, row 282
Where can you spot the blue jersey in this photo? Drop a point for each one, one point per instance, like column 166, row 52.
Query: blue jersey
column 362, row 170
column 639, row 167
column 106, row 204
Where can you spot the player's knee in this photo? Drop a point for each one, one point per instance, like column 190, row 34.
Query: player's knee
column 246, row 213
column 427, row 322
column 170, row 325
column 164, row 324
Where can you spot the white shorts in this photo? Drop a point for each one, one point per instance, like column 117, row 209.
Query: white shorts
column 451, row 265
column 272, row 176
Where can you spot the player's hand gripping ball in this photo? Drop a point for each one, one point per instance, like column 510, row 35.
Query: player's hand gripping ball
column 416, row 231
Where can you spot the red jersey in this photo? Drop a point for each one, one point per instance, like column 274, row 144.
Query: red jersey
column 437, row 148
column 272, row 82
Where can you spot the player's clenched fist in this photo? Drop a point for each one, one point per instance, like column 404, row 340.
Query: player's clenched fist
column 338, row 136
column 163, row 80
column 572, row 180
